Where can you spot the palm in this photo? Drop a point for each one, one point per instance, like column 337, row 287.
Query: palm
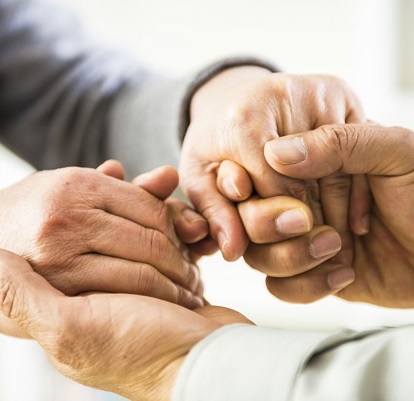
column 129, row 344
column 384, row 258
column 117, row 342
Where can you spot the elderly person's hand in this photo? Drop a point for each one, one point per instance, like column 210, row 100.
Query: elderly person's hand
column 232, row 117
column 383, row 259
column 85, row 230
column 128, row 344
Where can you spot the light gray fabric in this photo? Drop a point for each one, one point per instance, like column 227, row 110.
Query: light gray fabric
column 248, row 363
column 66, row 101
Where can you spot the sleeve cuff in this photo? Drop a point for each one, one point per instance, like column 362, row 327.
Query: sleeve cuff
column 244, row 363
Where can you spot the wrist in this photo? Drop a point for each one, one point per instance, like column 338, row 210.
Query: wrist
column 226, row 79
column 156, row 384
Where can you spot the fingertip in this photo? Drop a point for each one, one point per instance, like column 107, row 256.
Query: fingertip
column 230, row 190
column 361, row 226
column 232, row 250
column 160, row 182
column 191, row 227
column 234, row 181
column 112, row 168
column 340, row 278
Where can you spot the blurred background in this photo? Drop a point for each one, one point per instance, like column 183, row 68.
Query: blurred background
column 370, row 44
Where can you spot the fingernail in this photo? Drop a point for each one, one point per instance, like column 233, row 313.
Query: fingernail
column 340, row 278
column 288, row 150
column 222, row 241
column 365, row 224
column 230, row 187
column 294, row 221
column 325, row 244
column 191, row 216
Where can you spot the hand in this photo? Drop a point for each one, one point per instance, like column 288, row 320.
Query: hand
column 383, row 258
column 278, row 256
column 190, row 227
column 128, row 344
column 80, row 229
column 232, row 117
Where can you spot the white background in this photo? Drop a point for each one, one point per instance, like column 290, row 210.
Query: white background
column 356, row 40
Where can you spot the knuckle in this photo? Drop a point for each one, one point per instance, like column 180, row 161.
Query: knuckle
column 283, row 263
column 275, row 261
column 158, row 246
column 240, row 115
column 164, row 216
column 341, row 138
column 297, row 189
column 313, row 191
column 337, row 184
column 191, row 276
column 147, row 281
column 75, row 178
column 181, row 296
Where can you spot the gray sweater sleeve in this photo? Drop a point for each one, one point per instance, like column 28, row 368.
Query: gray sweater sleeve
column 66, row 101
column 248, row 363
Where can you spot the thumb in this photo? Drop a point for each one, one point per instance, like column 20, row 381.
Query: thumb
column 26, row 298
column 352, row 149
column 160, row 182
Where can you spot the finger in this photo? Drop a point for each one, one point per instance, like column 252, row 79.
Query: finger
column 135, row 204
column 296, row 255
column 127, row 240
column 360, row 205
column 207, row 246
column 233, row 181
column 335, row 193
column 226, row 228
column 352, row 149
column 160, row 182
column 274, row 219
column 106, row 274
column 355, row 111
column 223, row 315
column 326, row 279
column 27, row 298
column 190, row 226
column 112, row 168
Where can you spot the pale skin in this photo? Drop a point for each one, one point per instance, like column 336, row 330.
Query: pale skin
column 80, row 228
column 150, row 351
column 233, row 116
column 105, row 224
column 107, row 341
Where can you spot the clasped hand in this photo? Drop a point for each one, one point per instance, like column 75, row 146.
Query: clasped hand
column 87, row 230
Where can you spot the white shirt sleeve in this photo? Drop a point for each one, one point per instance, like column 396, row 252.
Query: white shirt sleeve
column 249, row 363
